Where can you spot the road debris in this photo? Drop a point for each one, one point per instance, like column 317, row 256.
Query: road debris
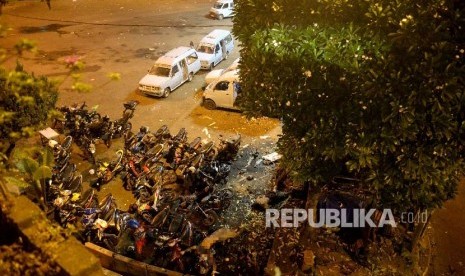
column 271, row 158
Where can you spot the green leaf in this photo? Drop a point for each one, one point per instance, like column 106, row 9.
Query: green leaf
column 27, row 165
column 17, row 182
column 43, row 172
column 46, row 158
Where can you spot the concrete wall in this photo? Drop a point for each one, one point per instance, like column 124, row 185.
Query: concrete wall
column 68, row 253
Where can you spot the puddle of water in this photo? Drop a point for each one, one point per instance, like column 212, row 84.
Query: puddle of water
column 46, row 28
column 54, row 55
column 148, row 53
column 91, row 68
column 122, row 60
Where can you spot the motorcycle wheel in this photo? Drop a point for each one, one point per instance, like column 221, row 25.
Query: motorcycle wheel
column 210, row 218
column 95, row 117
column 128, row 127
column 147, row 217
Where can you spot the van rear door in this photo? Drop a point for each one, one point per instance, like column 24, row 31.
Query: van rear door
column 185, row 71
column 218, row 54
column 176, row 76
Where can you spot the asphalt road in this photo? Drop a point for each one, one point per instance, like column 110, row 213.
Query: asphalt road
column 126, row 36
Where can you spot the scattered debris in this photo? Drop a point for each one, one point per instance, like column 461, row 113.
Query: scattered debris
column 272, row 157
column 261, row 203
column 205, row 130
column 219, row 235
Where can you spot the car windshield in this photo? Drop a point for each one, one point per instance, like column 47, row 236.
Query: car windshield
column 218, row 5
column 159, row 71
column 205, row 49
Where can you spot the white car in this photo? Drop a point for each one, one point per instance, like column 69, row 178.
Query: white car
column 213, row 75
column 222, row 9
column 222, row 92
column 215, row 47
column 170, row 71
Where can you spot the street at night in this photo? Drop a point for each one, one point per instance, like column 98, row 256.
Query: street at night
column 204, row 137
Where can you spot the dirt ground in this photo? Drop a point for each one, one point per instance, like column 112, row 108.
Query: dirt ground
column 127, row 36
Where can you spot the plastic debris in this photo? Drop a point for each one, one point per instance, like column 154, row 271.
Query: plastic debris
column 272, row 157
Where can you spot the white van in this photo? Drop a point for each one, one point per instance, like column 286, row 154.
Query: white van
column 170, row 71
column 222, row 92
column 222, row 9
column 215, row 47
column 213, row 75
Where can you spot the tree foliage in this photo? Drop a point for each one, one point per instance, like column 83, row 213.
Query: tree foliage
column 25, row 104
column 372, row 89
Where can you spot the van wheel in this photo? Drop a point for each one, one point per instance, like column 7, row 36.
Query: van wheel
column 190, row 77
column 166, row 92
column 220, row 17
column 209, row 104
column 226, row 56
column 211, row 67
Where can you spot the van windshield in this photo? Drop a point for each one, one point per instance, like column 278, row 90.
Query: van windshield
column 160, row 71
column 205, row 49
column 218, row 5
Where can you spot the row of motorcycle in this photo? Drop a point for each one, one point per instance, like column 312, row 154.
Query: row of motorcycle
column 178, row 187
column 87, row 126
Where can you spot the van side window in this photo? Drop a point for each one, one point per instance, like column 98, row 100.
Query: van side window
column 217, row 48
column 222, row 85
column 226, row 6
column 227, row 39
column 192, row 58
column 174, row 70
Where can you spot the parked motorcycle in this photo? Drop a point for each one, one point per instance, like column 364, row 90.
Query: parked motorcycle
column 107, row 171
column 61, row 152
column 88, row 147
column 122, row 125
